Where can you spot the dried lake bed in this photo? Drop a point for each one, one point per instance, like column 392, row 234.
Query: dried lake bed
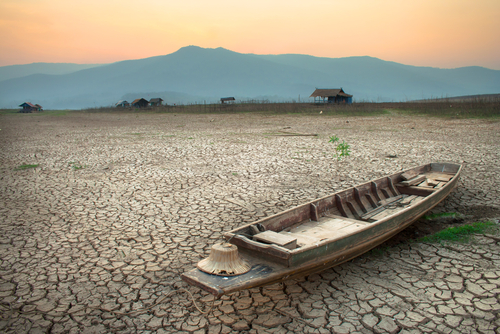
column 94, row 238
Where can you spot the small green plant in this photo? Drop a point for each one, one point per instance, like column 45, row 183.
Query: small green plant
column 23, row 167
column 76, row 166
column 459, row 233
column 342, row 149
column 333, row 139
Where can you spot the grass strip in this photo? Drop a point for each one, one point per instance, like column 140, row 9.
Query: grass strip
column 23, row 167
column 459, row 233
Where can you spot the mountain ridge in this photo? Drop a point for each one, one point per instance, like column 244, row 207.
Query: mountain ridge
column 195, row 74
column 18, row 71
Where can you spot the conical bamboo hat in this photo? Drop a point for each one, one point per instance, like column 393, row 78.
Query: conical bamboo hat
column 224, row 261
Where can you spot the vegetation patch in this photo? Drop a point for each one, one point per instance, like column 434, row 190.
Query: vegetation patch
column 23, row 167
column 460, row 233
column 76, row 165
column 9, row 111
column 451, row 109
column 442, row 108
column 342, row 149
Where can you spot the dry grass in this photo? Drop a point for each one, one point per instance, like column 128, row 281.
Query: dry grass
column 473, row 108
column 463, row 109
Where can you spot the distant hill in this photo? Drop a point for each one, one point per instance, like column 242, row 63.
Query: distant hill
column 19, row 71
column 194, row 74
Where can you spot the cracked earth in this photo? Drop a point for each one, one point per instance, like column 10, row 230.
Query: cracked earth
column 93, row 240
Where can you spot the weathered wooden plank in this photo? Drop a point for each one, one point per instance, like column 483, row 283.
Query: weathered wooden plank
column 419, row 191
column 385, row 193
column 358, row 200
column 353, row 210
column 375, row 191
column 370, row 199
column 411, row 200
column 409, row 175
column 372, row 213
column 254, row 229
column 344, row 218
column 314, row 212
column 440, row 185
column 413, row 181
column 408, row 199
column 400, row 199
column 282, row 240
column 385, row 213
column 424, row 184
column 432, row 182
column 439, row 176
column 394, row 191
column 339, row 201
column 443, row 178
column 390, row 200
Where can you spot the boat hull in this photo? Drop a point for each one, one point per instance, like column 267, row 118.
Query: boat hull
column 275, row 264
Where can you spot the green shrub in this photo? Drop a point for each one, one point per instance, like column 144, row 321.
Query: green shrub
column 459, row 233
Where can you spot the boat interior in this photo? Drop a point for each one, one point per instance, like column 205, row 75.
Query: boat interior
column 349, row 210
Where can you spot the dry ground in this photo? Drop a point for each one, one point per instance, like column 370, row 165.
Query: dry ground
column 94, row 238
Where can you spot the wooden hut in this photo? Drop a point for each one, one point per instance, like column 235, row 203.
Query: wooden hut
column 155, row 102
column 336, row 95
column 122, row 104
column 140, row 103
column 227, row 100
column 28, row 107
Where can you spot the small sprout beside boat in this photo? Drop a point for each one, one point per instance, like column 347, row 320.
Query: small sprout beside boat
column 342, row 149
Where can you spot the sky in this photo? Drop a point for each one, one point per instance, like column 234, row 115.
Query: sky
column 436, row 33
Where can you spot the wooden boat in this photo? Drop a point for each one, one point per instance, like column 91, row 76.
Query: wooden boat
column 331, row 230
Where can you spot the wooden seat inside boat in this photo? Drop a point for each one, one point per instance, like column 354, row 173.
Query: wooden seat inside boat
column 271, row 237
column 423, row 184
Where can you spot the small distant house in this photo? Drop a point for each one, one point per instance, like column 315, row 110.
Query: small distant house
column 122, row 104
column 28, row 107
column 155, row 102
column 140, row 103
column 227, row 100
column 336, row 95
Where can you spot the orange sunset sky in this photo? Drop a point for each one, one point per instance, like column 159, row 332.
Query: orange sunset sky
column 437, row 33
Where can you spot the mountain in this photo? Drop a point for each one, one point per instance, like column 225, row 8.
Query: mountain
column 19, row 71
column 194, row 74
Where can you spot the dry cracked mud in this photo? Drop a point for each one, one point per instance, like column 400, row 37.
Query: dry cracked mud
column 94, row 238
